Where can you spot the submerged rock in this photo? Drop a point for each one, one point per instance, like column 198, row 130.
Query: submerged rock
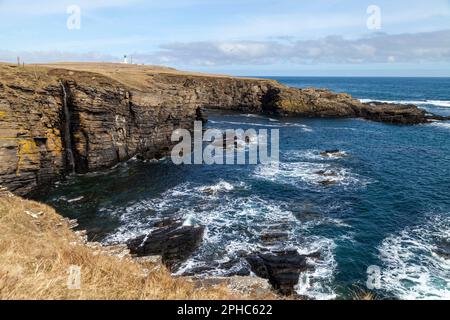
column 271, row 237
column 443, row 250
column 209, row 191
column 326, row 183
column 281, row 268
column 326, row 173
column 333, row 153
column 174, row 241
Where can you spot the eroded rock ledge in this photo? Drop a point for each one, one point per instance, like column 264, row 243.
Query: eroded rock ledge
column 64, row 118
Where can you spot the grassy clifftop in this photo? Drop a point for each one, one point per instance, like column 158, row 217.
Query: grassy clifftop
column 37, row 248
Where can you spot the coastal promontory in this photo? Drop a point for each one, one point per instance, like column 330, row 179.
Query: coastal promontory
column 78, row 118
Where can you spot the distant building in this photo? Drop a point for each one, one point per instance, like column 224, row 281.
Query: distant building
column 125, row 59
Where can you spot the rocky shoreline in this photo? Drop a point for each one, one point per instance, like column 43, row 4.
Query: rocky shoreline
column 175, row 242
column 74, row 118
column 172, row 243
column 34, row 233
column 64, row 118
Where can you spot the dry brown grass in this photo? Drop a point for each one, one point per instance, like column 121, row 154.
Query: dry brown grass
column 36, row 253
column 137, row 77
column 363, row 294
column 134, row 76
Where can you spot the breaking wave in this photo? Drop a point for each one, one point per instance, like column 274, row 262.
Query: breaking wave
column 437, row 103
column 411, row 268
column 274, row 124
column 441, row 124
column 310, row 174
column 235, row 226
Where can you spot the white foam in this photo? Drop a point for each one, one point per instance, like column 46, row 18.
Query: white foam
column 277, row 124
column 189, row 221
column 75, row 199
column 437, row 103
column 245, row 219
column 135, row 220
column 303, row 174
column 440, row 124
column 411, row 269
column 233, row 229
column 318, row 283
column 311, row 154
column 258, row 116
column 219, row 187
column 252, row 115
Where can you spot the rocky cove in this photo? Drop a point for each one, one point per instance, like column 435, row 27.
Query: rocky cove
column 60, row 119
column 88, row 117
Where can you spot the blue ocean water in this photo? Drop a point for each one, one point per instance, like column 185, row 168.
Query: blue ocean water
column 388, row 205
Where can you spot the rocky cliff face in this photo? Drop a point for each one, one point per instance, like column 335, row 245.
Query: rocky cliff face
column 31, row 149
column 55, row 121
column 82, row 118
column 95, row 121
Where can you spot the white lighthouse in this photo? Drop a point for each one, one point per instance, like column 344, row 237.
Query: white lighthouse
column 125, row 59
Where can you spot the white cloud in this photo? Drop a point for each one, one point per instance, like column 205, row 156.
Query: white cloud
column 427, row 47
column 379, row 48
column 431, row 47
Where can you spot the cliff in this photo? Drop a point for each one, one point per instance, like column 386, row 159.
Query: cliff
column 62, row 118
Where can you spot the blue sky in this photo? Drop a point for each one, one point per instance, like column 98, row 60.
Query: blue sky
column 242, row 37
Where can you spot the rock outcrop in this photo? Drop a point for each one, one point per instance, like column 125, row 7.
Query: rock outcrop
column 443, row 249
column 80, row 118
column 393, row 113
column 282, row 268
column 55, row 121
column 173, row 241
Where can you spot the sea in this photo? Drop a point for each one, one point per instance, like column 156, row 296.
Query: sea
column 377, row 225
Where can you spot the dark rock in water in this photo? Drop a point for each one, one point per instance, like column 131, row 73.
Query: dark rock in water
column 305, row 216
column 274, row 236
column 443, row 249
column 327, row 182
column 326, row 173
column 279, row 226
column 211, row 266
column 200, row 115
column 332, row 153
column 393, row 113
column 326, row 152
column 167, row 222
column 202, row 269
column 433, row 117
column 209, row 191
column 315, row 255
column 281, row 268
column 174, row 242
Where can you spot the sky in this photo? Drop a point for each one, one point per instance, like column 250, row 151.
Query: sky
column 239, row 37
